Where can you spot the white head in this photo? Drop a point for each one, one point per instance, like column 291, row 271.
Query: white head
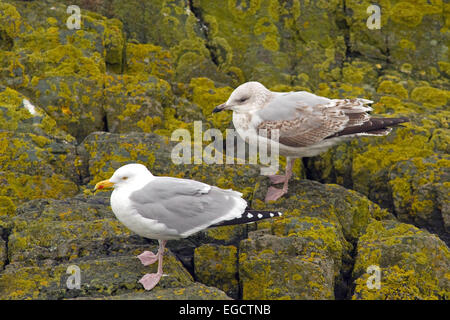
column 134, row 174
column 248, row 96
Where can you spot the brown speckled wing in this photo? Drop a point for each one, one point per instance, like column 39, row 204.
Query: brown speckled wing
column 312, row 125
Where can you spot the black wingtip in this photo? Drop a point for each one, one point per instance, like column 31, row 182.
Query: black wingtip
column 250, row 216
column 396, row 122
column 403, row 119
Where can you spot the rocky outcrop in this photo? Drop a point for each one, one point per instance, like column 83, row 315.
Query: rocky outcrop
column 77, row 104
column 413, row 263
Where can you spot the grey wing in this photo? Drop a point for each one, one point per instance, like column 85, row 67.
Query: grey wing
column 283, row 106
column 185, row 205
column 312, row 124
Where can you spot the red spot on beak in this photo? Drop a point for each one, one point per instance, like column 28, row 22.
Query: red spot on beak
column 100, row 187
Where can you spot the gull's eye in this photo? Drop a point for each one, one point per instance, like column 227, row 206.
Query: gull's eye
column 124, row 178
column 243, row 99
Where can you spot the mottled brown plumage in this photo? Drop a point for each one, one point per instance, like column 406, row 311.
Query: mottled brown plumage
column 306, row 124
column 373, row 126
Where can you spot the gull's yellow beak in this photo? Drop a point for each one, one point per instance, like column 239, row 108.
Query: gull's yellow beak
column 104, row 184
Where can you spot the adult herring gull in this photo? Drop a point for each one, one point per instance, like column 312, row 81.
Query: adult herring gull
column 166, row 208
column 307, row 124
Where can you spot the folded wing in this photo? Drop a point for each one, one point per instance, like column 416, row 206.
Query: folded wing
column 185, row 205
column 311, row 121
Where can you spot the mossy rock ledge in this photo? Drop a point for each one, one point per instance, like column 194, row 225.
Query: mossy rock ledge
column 76, row 104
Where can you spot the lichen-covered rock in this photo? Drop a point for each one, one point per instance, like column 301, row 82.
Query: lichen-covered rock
column 414, row 264
column 370, row 165
column 74, row 102
column 53, row 231
column 171, row 25
column 330, row 219
column 420, row 192
column 22, row 187
column 10, row 25
column 272, row 267
column 37, row 159
column 3, row 253
column 133, row 105
column 7, row 211
column 102, row 276
column 217, row 266
column 148, row 59
column 45, row 237
column 193, row 291
column 103, row 152
column 44, row 233
column 21, row 118
column 64, row 68
column 204, row 93
column 142, row 69
column 348, row 210
column 391, row 170
column 408, row 30
column 265, row 40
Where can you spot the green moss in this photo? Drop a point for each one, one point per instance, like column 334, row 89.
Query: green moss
column 391, row 88
column 261, row 283
column 406, row 68
column 323, row 232
column 407, row 44
column 358, row 72
column 430, row 97
column 406, row 13
column 226, row 233
column 400, row 284
column 207, row 96
column 272, row 267
column 217, row 266
column 408, row 190
column 244, row 9
column 145, row 59
column 380, row 155
column 10, row 20
column 444, row 67
column 22, row 187
column 408, row 259
column 67, row 60
column 148, row 123
column 7, row 207
column 114, row 42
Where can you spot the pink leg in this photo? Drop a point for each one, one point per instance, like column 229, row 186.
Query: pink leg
column 277, row 178
column 273, row 193
column 147, row 258
column 150, row 280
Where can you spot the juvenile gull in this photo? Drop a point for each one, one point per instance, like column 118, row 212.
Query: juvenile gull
column 307, row 124
column 166, row 208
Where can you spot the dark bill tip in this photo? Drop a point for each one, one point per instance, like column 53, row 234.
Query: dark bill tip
column 219, row 108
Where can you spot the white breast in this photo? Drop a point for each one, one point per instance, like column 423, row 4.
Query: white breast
column 125, row 212
column 245, row 127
